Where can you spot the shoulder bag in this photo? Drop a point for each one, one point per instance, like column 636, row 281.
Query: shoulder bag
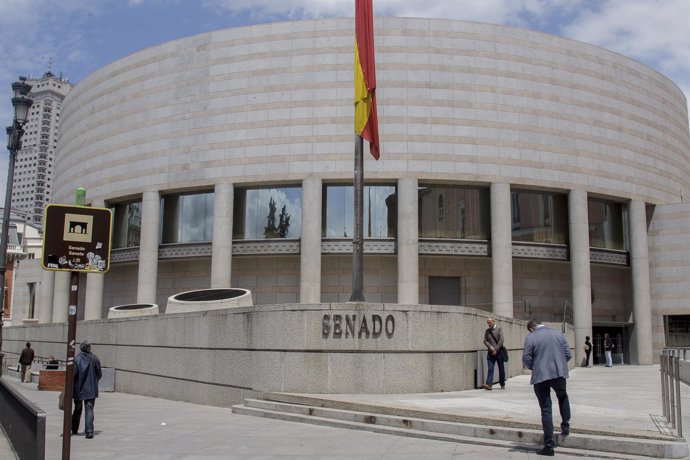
column 503, row 351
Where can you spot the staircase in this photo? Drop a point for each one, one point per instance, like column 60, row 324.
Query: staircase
column 456, row 428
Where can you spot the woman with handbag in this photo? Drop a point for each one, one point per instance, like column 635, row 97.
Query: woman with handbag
column 588, row 351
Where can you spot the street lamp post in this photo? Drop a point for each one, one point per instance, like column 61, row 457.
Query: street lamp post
column 21, row 103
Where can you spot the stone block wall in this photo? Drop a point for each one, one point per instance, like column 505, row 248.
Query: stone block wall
column 219, row 357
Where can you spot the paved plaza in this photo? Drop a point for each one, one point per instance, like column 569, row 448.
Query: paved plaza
column 620, row 399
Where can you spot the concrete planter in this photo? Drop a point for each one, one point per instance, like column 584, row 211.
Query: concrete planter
column 135, row 309
column 209, row 299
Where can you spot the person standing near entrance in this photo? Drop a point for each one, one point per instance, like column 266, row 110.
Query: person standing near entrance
column 608, row 349
column 493, row 340
column 87, row 373
column 25, row 359
column 588, row 350
column 546, row 354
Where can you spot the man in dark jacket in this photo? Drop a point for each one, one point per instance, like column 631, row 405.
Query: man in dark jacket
column 87, row 373
column 25, row 359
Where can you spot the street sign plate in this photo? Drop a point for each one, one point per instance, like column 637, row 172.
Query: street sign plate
column 76, row 238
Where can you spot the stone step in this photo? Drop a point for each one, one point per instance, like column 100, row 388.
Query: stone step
column 604, row 446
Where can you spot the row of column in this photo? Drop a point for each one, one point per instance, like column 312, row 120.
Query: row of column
column 53, row 301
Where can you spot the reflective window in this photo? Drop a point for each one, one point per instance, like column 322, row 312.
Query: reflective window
column 187, row 218
column 380, row 211
column 126, row 225
column 608, row 224
column 454, row 212
column 264, row 213
column 539, row 217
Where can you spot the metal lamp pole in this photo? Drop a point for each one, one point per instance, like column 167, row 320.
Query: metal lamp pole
column 21, row 103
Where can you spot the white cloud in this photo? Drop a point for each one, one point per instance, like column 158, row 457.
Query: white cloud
column 654, row 32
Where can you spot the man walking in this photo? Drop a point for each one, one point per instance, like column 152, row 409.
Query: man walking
column 493, row 340
column 25, row 359
column 87, row 373
column 547, row 354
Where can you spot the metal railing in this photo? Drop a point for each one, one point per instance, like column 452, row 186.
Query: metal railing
column 567, row 315
column 670, row 388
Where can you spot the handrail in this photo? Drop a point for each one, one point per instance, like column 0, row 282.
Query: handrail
column 670, row 388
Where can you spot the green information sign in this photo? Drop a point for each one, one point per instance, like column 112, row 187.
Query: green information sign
column 76, row 239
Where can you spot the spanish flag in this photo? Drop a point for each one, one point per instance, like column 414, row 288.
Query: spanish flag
column 366, row 120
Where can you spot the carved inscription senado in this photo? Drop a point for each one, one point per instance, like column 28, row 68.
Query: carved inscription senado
column 361, row 326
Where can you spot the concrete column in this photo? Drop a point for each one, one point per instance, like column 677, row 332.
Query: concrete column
column 148, row 247
column 501, row 251
column 45, row 297
column 61, row 292
column 221, row 255
column 408, row 241
column 642, row 304
column 310, row 242
column 93, row 302
column 579, row 270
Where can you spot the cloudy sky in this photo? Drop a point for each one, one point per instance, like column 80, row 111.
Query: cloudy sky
column 75, row 37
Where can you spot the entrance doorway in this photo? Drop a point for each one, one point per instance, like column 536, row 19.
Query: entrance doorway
column 621, row 340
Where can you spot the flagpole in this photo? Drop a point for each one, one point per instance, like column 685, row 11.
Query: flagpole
column 357, row 238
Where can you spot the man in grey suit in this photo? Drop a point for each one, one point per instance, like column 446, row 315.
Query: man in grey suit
column 547, row 354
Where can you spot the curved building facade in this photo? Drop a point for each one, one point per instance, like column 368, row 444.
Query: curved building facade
column 519, row 174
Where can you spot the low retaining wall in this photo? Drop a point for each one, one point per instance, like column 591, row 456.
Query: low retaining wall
column 23, row 422
column 223, row 356
column 51, row 380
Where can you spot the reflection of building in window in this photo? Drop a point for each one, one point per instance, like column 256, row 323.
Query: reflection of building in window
column 607, row 224
column 133, row 224
column 539, row 217
column 465, row 210
column 440, row 208
column 126, row 225
column 515, row 210
column 461, row 213
column 380, row 211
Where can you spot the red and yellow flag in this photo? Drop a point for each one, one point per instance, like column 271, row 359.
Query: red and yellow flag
column 366, row 120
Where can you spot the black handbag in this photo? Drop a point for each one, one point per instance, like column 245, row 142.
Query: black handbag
column 503, row 351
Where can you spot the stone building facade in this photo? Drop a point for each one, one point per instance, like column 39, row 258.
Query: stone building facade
column 521, row 173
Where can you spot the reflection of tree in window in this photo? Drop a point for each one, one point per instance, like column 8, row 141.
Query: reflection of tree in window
column 252, row 219
column 281, row 231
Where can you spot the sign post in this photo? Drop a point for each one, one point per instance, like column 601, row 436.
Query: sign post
column 75, row 239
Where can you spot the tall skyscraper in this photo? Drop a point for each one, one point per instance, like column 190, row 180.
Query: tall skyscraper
column 34, row 165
